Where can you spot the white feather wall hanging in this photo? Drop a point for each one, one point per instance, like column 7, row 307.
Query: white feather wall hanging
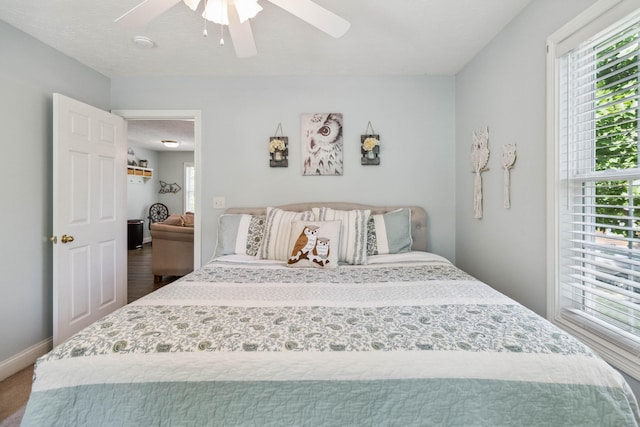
column 508, row 160
column 479, row 158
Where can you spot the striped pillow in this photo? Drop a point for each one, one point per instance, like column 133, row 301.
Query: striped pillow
column 353, row 240
column 275, row 242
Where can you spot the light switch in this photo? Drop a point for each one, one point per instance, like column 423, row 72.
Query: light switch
column 218, row 202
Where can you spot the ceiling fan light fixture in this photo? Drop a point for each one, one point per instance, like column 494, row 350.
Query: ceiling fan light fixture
column 170, row 143
column 217, row 10
column 237, row 18
column 247, row 9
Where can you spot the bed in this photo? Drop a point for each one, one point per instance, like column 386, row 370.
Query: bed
column 370, row 330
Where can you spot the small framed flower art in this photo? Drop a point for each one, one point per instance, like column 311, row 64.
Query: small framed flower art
column 370, row 149
column 278, row 151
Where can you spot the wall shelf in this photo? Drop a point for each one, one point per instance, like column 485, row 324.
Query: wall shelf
column 136, row 174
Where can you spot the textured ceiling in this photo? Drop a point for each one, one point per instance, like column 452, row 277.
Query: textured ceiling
column 149, row 134
column 401, row 37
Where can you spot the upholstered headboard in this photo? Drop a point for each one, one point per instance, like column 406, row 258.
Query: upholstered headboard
column 418, row 216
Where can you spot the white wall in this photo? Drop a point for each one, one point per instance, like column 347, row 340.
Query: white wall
column 30, row 73
column 413, row 114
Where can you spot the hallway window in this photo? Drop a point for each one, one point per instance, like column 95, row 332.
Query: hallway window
column 189, row 187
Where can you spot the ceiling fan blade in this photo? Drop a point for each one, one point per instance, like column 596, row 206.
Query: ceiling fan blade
column 242, row 36
column 315, row 15
column 145, row 12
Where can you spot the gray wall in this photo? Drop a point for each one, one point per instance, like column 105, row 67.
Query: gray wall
column 413, row 114
column 142, row 195
column 503, row 87
column 30, row 73
column 168, row 167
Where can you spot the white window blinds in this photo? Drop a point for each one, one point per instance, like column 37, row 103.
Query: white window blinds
column 189, row 187
column 599, row 186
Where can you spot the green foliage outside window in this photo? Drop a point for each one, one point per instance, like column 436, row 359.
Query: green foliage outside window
column 617, row 133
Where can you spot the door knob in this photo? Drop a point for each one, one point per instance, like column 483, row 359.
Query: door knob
column 66, row 239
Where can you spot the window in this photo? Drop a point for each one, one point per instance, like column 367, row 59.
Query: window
column 189, row 187
column 595, row 194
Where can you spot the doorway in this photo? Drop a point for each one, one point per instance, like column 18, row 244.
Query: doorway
column 165, row 118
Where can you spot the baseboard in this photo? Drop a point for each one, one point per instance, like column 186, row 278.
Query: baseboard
column 25, row 358
column 146, row 240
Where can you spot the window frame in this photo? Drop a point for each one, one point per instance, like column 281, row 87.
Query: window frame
column 619, row 352
column 188, row 191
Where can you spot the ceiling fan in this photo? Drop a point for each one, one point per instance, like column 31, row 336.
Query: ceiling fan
column 236, row 14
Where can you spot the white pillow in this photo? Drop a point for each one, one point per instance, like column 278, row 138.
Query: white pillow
column 353, row 240
column 314, row 244
column 275, row 242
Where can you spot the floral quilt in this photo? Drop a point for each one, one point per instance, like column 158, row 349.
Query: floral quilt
column 415, row 341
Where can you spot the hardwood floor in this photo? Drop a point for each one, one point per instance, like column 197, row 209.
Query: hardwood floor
column 14, row 391
column 139, row 275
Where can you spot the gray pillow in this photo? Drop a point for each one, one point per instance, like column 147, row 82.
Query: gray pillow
column 240, row 234
column 389, row 233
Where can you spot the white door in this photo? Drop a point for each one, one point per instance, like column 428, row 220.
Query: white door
column 89, row 209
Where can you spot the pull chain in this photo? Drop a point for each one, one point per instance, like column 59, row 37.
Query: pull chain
column 222, row 13
column 204, row 32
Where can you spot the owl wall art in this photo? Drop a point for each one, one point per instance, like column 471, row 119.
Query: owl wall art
column 322, row 143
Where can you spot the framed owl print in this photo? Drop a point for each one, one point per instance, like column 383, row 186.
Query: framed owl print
column 321, row 143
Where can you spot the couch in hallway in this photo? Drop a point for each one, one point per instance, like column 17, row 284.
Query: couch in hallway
column 172, row 246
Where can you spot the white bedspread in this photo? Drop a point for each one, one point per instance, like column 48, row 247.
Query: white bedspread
column 404, row 340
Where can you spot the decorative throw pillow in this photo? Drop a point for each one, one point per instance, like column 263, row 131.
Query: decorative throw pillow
column 314, row 244
column 390, row 233
column 174, row 219
column 240, row 234
column 275, row 242
column 188, row 219
column 353, row 239
column 372, row 243
column 255, row 234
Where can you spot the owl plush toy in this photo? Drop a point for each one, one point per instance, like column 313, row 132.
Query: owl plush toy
column 305, row 244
